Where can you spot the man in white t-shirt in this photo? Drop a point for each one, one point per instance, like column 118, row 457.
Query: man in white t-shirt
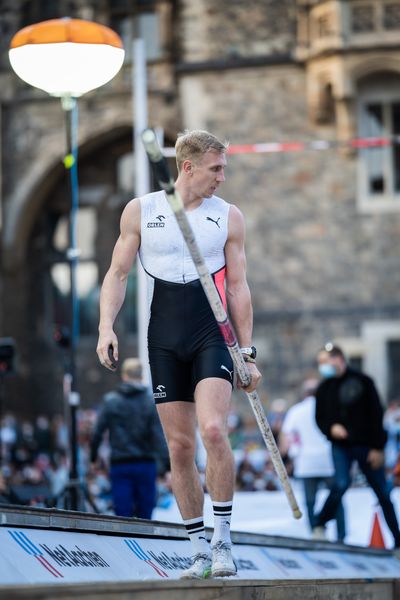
column 310, row 451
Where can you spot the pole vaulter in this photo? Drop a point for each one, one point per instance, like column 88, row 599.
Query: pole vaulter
column 162, row 173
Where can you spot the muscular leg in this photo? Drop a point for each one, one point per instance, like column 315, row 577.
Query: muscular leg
column 178, row 422
column 213, row 400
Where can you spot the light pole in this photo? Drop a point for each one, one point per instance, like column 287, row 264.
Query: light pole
column 67, row 58
column 142, row 185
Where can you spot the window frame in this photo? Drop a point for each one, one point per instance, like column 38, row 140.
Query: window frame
column 376, row 335
column 388, row 201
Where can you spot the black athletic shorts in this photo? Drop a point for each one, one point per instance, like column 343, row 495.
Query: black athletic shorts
column 184, row 340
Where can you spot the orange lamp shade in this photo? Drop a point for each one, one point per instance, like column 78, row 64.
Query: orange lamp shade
column 66, row 57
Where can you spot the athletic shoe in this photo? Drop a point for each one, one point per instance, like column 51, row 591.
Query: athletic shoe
column 222, row 562
column 319, row 534
column 199, row 569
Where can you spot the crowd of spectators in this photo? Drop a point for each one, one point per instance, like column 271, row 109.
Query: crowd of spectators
column 29, row 454
column 35, row 457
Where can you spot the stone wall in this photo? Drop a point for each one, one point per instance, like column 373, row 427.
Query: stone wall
column 318, row 269
column 232, row 28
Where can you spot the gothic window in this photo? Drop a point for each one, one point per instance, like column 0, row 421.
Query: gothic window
column 379, row 117
column 381, row 120
column 363, row 18
column 375, row 16
column 373, row 125
column 391, row 16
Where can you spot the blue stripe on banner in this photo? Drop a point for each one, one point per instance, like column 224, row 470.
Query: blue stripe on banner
column 129, row 546
column 145, row 555
column 134, row 546
column 135, row 550
column 31, row 544
column 21, row 543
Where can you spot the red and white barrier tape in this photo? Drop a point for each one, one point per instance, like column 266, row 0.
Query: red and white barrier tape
column 274, row 147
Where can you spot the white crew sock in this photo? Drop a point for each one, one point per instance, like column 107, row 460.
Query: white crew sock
column 222, row 522
column 197, row 535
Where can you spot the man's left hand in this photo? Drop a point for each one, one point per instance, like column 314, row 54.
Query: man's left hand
column 255, row 378
column 375, row 458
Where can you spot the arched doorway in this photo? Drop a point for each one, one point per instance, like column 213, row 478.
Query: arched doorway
column 37, row 288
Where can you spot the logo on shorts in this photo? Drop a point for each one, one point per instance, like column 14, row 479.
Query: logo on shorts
column 158, row 223
column 160, row 392
column 228, row 371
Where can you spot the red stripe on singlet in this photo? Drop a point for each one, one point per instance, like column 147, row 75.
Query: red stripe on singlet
column 219, row 280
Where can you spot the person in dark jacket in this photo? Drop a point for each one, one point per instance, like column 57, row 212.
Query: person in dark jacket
column 137, row 443
column 349, row 413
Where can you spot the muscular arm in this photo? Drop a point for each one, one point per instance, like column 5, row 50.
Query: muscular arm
column 238, row 292
column 114, row 285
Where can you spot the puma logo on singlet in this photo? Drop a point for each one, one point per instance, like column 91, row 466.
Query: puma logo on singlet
column 227, row 370
column 159, row 223
column 216, row 222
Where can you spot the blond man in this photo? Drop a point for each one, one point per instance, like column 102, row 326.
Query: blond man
column 192, row 371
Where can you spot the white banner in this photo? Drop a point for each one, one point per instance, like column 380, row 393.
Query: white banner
column 40, row 556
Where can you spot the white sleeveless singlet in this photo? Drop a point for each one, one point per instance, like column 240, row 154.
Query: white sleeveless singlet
column 163, row 251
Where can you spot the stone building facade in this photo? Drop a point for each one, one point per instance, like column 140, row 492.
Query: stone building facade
column 323, row 226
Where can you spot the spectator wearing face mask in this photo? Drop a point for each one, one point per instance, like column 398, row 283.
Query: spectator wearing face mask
column 349, row 413
column 310, row 451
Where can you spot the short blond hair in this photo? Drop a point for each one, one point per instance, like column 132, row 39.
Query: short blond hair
column 192, row 145
column 132, row 368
